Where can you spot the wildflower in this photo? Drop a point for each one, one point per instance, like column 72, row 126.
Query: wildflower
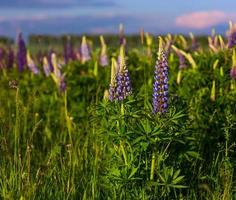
column 122, row 35
column 103, row 60
column 21, row 54
column 123, row 79
column 10, row 58
column 113, row 84
column 46, row 67
column 31, row 64
column 195, row 44
column 120, row 86
column 160, row 85
column 49, row 57
column 57, row 75
column 213, row 41
column 84, row 50
column 68, row 51
column 231, row 35
column 2, row 58
column 233, row 69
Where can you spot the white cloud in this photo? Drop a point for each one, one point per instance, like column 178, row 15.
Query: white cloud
column 203, row 19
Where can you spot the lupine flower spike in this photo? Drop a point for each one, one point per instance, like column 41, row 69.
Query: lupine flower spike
column 213, row 88
column 233, row 71
column 213, row 41
column 142, row 36
column 10, row 58
column 195, row 44
column 113, row 84
column 57, row 76
column 123, row 79
column 2, row 58
column 231, row 35
column 160, row 85
column 68, row 51
column 168, row 43
column 103, row 60
column 182, row 62
column 31, row 65
column 84, row 50
column 46, row 67
column 122, row 35
column 149, row 44
column 21, row 53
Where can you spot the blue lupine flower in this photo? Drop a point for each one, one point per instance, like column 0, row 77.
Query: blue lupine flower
column 182, row 60
column 31, row 65
column 232, row 36
column 233, row 72
column 113, row 84
column 123, row 88
column 21, row 54
column 10, row 58
column 50, row 60
column 103, row 60
column 160, row 85
column 120, row 86
column 84, row 50
column 69, row 53
column 46, row 67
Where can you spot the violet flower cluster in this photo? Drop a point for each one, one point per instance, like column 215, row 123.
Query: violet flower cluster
column 85, row 50
column 103, row 59
column 232, row 36
column 120, row 87
column 160, row 85
column 10, row 58
column 21, row 53
column 69, row 53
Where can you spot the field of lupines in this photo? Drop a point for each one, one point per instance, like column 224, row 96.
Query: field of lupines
column 155, row 121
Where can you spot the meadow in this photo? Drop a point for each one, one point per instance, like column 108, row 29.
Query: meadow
column 142, row 117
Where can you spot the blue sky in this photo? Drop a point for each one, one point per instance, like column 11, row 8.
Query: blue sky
column 104, row 16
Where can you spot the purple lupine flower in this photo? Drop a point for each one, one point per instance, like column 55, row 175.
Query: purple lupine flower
column 31, row 64
column 103, row 60
column 194, row 44
column 10, row 58
column 69, row 53
column 62, row 83
column 2, row 57
column 49, row 57
column 160, row 85
column 46, row 67
column 40, row 58
column 233, row 72
column 182, row 60
column 21, row 53
column 84, row 50
column 113, row 83
column 122, row 40
column 123, row 88
column 232, row 36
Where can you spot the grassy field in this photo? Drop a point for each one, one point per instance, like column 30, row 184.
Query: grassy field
column 77, row 144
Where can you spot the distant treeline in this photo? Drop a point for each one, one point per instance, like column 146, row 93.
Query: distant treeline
column 111, row 39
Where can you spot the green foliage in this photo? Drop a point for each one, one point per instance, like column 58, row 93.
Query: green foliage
column 79, row 145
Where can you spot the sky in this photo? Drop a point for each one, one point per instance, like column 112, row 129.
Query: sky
column 104, row 16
